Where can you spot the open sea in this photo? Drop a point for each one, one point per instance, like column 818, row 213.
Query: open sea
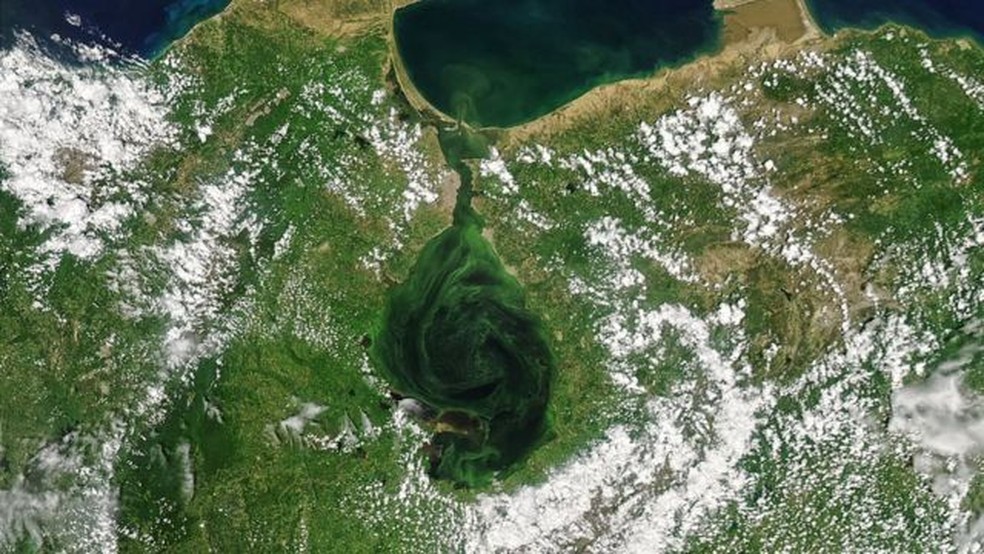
column 132, row 27
column 939, row 18
column 494, row 63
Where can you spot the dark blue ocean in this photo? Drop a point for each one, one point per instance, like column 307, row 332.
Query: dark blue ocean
column 146, row 27
column 132, row 27
column 939, row 18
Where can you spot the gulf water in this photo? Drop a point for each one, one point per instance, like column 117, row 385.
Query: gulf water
column 504, row 62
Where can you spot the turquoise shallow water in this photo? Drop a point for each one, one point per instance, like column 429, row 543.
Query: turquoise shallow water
column 502, row 63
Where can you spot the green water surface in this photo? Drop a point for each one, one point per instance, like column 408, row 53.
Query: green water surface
column 457, row 336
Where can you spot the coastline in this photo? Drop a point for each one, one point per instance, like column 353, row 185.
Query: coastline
column 751, row 37
column 749, row 28
column 757, row 25
column 185, row 26
column 934, row 33
column 402, row 76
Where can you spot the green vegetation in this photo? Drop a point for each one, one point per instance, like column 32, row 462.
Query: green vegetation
column 282, row 428
column 720, row 329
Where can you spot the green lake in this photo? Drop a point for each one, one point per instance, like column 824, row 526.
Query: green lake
column 457, row 336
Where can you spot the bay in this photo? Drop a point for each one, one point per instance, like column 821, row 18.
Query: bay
column 503, row 63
